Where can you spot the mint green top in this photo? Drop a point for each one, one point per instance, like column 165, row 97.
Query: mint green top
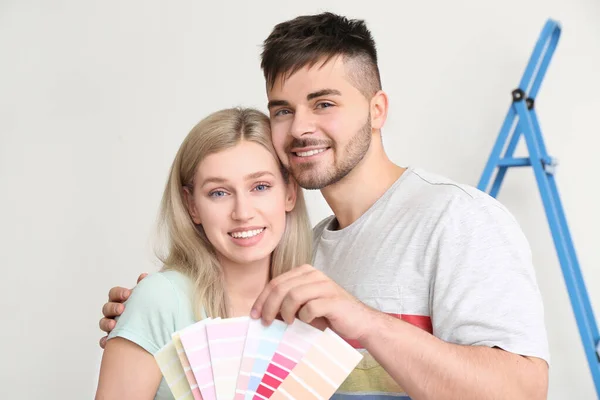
column 160, row 305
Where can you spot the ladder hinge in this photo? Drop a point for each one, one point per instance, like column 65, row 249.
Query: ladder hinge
column 530, row 102
column 550, row 164
column 518, row 95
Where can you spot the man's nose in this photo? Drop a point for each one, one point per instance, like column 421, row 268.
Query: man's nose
column 303, row 124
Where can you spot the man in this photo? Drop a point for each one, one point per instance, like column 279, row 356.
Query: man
column 431, row 279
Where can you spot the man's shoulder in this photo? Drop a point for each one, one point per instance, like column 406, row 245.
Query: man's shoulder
column 427, row 192
column 428, row 198
column 423, row 184
column 463, row 210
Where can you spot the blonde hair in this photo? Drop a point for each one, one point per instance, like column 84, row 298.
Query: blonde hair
column 188, row 250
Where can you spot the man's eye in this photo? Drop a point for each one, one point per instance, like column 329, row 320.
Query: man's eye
column 324, row 105
column 282, row 112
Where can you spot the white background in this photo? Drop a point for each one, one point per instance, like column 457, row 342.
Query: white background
column 95, row 98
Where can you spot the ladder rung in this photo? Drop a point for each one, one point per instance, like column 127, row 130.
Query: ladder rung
column 514, row 162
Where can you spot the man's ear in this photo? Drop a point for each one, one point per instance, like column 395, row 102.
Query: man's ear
column 379, row 109
column 191, row 207
column 291, row 194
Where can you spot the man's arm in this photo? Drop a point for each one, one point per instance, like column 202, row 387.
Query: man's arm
column 429, row 368
column 424, row 366
column 113, row 308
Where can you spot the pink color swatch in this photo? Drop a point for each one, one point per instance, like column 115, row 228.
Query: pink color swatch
column 186, row 367
column 195, row 344
column 321, row 371
column 226, row 339
column 296, row 341
column 261, row 343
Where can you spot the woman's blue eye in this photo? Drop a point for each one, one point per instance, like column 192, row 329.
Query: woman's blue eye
column 262, row 187
column 217, row 193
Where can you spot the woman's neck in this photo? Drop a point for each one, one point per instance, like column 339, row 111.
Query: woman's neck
column 243, row 284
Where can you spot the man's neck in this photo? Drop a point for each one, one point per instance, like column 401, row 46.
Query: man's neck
column 363, row 186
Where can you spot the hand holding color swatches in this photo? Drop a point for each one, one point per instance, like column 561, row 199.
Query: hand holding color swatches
column 241, row 359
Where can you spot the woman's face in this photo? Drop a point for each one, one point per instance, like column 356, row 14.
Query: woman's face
column 241, row 200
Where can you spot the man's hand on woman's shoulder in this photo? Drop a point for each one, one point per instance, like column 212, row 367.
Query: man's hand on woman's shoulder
column 114, row 307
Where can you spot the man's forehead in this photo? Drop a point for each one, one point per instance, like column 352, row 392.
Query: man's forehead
column 310, row 78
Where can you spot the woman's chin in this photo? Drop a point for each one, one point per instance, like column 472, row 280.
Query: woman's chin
column 242, row 255
column 250, row 256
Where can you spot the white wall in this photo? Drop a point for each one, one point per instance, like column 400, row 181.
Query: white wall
column 95, row 98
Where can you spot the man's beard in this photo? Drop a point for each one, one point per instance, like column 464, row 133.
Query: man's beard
column 312, row 176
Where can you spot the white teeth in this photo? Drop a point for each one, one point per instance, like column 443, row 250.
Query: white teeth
column 309, row 153
column 246, row 234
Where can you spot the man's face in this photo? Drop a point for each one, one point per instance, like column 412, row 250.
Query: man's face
column 320, row 124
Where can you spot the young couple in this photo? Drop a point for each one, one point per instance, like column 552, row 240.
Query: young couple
column 431, row 279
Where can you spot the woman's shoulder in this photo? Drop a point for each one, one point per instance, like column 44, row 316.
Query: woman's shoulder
column 171, row 280
column 158, row 306
column 162, row 287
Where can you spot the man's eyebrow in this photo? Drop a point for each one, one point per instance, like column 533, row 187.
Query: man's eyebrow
column 254, row 175
column 324, row 92
column 309, row 97
column 277, row 103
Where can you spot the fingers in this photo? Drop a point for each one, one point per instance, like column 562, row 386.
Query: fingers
column 142, row 276
column 107, row 324
column 302, row 294
column 292, row 293
column 114, row 307
column 320, row 323
column 118, row 294
column 314, row 310
column 111, row 309
column 277, row 284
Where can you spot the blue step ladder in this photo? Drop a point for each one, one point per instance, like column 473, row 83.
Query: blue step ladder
column 522, row 120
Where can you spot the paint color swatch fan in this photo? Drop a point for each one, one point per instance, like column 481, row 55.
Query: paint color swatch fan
column 241, row 359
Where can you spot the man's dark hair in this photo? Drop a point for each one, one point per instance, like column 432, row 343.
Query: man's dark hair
column 308, row 39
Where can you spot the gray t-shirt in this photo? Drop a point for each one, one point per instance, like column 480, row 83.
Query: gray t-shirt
column 440, row 255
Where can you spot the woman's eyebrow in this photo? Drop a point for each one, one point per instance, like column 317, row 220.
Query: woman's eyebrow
column 218, row 179
column 257, row 174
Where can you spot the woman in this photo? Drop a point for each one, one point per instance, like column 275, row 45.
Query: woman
column 233, row 219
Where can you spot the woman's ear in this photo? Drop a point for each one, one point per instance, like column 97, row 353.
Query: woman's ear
column 191, row 207
column 291, row 194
